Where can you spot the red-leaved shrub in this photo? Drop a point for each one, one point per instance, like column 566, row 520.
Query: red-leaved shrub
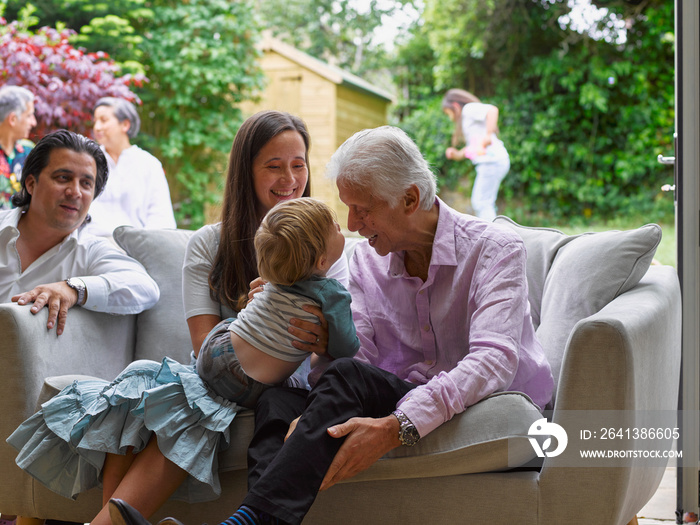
column 66, row 82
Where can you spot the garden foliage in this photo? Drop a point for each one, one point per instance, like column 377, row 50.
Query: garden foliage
column 584, row 118
column 67, row 82
column 583, row 114
column 201, row 59
column 201, row 63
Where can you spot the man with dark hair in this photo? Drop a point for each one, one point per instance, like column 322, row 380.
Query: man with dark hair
column 16, row 121
column 46, row 257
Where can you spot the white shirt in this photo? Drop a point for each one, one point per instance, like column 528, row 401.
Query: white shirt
column 136, row 194
column 115, row 282
column 474, row 130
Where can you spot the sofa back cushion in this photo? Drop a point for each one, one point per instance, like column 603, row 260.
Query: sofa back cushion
column 162, row 330
column 571, row 277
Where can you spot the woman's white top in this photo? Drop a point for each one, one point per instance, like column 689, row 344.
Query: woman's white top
column 474, row 130
column 136, row 194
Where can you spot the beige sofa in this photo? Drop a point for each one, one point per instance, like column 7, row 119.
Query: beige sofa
column 610, row 325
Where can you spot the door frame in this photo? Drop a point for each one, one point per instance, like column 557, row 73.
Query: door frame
column 687, row 169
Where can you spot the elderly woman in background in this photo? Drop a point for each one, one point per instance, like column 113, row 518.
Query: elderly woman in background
column 137, row 192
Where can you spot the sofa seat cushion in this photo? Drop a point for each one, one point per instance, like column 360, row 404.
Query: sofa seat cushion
column 491, row 435
column 161, row 330
column 571, row 277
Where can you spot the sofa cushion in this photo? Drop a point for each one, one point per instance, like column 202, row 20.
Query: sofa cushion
column 542, row 245
column 573, row 277
column 161, row 330
column 491, row 435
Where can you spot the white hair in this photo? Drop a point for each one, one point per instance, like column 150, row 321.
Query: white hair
column 385, row 162
column 14, row 99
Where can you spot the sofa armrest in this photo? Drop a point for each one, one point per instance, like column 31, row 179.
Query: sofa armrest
column 92, row 343
column 625, row 358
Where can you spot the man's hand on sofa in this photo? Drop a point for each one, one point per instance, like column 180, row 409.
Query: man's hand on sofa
column 58, row 297
column 368, row 439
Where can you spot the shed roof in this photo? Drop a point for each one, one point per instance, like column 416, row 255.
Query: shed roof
column 332, row 73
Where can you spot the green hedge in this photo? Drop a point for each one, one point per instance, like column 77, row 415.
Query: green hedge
column 583, row 127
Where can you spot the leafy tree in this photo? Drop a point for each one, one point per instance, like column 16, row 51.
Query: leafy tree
column 332, row 31
column 479, row 45
column 583, row 115
column 116, row 36
column 587, row 130
column 412, row 69
column 66, row 81
column 199, row 71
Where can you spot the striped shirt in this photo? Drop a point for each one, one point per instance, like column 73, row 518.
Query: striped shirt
column 263, row 323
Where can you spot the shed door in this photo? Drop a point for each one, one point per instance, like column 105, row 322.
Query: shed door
column 285, row 89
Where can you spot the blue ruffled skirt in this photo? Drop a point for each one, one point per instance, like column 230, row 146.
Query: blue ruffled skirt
column 64, row 444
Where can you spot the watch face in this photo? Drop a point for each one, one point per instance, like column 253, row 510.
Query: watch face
column 409, row 435
column 79, row 287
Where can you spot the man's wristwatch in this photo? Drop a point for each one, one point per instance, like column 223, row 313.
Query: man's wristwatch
column 408, row 434
column 79, row 286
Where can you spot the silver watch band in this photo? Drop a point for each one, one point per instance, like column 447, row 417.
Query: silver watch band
column 408, row 434
column 79, row 286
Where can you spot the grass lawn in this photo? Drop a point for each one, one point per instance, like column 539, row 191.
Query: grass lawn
column 665, row 253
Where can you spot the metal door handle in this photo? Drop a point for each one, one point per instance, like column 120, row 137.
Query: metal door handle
column 666, row 160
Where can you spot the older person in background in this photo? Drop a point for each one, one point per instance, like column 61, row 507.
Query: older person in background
column 137, row 193
column 16, row 122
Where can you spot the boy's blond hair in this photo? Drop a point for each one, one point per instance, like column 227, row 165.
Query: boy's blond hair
column 291, row 239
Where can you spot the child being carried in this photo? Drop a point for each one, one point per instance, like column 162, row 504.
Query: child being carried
column 296, row 243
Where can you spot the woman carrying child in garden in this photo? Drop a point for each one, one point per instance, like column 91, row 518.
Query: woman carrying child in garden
column 476, row 124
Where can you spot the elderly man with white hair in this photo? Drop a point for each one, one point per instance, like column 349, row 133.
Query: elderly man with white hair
column 16, row 122
column 137, row 193
column 440, row 303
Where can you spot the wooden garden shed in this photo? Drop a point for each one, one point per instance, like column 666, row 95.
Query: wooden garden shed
column 333, row 103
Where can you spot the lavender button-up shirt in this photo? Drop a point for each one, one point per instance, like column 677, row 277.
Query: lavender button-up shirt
column 464, row 333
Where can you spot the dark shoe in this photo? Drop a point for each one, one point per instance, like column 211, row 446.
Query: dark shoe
column 122, row 513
